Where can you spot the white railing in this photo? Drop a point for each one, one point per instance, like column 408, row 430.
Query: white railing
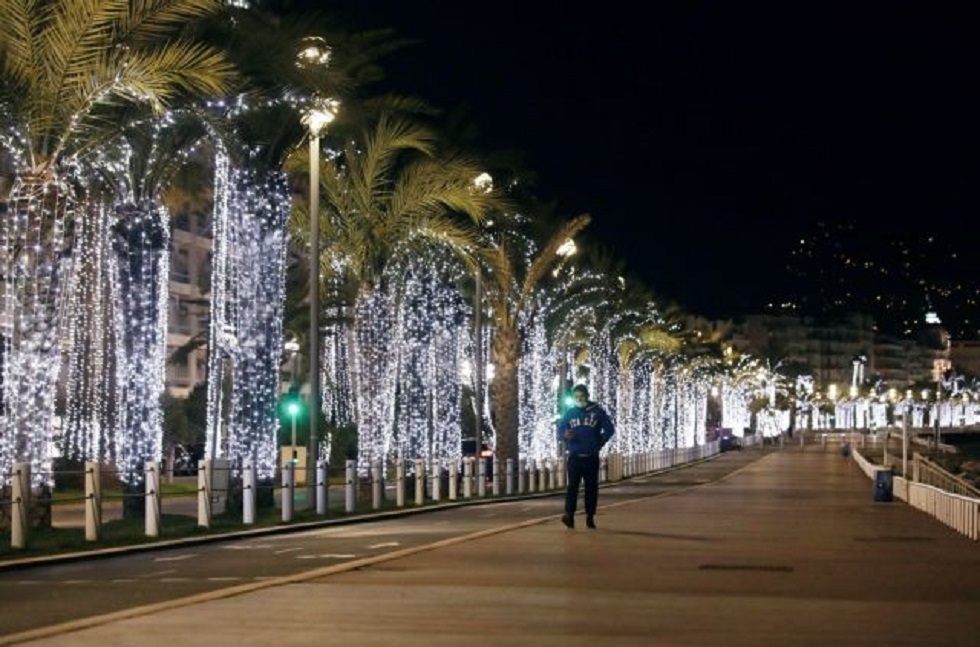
column 961, row 513
column 431, row 484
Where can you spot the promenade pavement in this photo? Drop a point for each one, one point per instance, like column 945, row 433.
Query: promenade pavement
column 789, row 550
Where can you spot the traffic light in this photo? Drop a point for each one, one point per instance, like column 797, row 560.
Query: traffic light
column 565, row 399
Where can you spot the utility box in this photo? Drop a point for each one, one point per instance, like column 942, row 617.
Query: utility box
column 883, row 484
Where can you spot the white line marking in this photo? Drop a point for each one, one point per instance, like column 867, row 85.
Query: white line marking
column 225, row 579
column 288, row 550
column 123, row 581
column 176, row 558
column 159, row 573
column 327, row 556
column 77, row 582
column 175, row 579
column 387, row 544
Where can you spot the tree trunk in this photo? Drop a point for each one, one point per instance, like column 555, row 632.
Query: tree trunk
column 504, row 392
column 35, row 241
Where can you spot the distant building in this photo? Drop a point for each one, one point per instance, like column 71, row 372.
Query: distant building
column 837, row 348
column 189, row 303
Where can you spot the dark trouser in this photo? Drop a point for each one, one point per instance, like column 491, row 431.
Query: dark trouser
column 582, row 468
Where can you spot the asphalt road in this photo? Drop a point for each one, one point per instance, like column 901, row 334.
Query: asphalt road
column 44, row 595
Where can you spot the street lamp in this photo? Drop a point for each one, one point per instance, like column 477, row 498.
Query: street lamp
column 316, row 119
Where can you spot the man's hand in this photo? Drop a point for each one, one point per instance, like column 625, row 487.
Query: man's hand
column 569, row 435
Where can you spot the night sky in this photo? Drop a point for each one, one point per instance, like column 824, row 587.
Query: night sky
column 704, row 138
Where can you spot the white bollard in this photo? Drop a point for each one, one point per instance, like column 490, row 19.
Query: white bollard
column 419, row 481
column 561, row 472
column 467, row 477
column 509, row 488
column 288, row 490
column 400, row 482
column 20, row 499
column 542, row 475
column 496, row 477
column 350, row 486
column 453, row 485
column 434, row 474
column 322, row 483
column 249, row 499
column 552, row 480
column 481, row 477
column 603, row 469
column 93, row 501
column 520, row 476
column 204, row 470
column 376, row 484
column 152, row 499
column 532, row 475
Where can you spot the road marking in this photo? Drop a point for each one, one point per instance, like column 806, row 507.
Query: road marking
column 225, row 579
column 328, row 556
column 123, row 581
column 176, row 558
column 248, row 547
column 77, row 582
column 387, row 544
column 288, row 550
column 159, row 573
column 175, row 579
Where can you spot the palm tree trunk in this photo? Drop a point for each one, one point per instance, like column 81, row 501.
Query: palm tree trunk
column 141, row 268
column 34, row 242
column 505, row 391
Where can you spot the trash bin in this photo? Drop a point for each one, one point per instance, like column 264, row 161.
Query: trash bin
column 845, row 450
column 883, row 484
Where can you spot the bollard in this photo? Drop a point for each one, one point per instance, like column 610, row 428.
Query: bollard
column 204, row 493
column 603, row 469
column 288, row 490
column 560, row 472
column 509, row 488
column 93, row 501
column 20, row 499
column 400, row 482
column 532, row 475
column 350, row 486
column 467, row 478
column 453, row 475
column 434, row 474
column 544, row 473
column 249, row 498
column 552, row 477
column 419, row 481
column 495, row 477
column 481, row 478
column 322, row 485
column 376, row 484
column 152, row 499
column 520, row 475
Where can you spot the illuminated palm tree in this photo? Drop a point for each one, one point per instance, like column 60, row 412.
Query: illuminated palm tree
column 66, row 65
column 387, row 191
column 514, row 277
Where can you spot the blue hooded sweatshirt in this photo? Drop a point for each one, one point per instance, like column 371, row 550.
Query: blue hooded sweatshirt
column 592, row 428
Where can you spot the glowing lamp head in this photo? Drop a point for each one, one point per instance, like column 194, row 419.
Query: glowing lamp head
column 293, row 409
column 320, row 115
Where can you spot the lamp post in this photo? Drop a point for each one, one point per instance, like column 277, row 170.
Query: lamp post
column 320, row 114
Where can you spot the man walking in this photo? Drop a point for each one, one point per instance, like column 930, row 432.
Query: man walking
column 585, row 428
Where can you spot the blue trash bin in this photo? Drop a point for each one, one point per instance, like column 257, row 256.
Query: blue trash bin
column 883, row 485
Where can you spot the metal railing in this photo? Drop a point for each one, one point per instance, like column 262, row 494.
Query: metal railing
column 222, row 492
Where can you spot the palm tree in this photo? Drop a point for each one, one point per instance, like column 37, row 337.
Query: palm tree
column 512, row 282
column 65, row 66
column 387, row 191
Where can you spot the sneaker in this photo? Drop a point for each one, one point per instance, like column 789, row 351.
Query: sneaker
column 590, row 522
column 568, row 521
